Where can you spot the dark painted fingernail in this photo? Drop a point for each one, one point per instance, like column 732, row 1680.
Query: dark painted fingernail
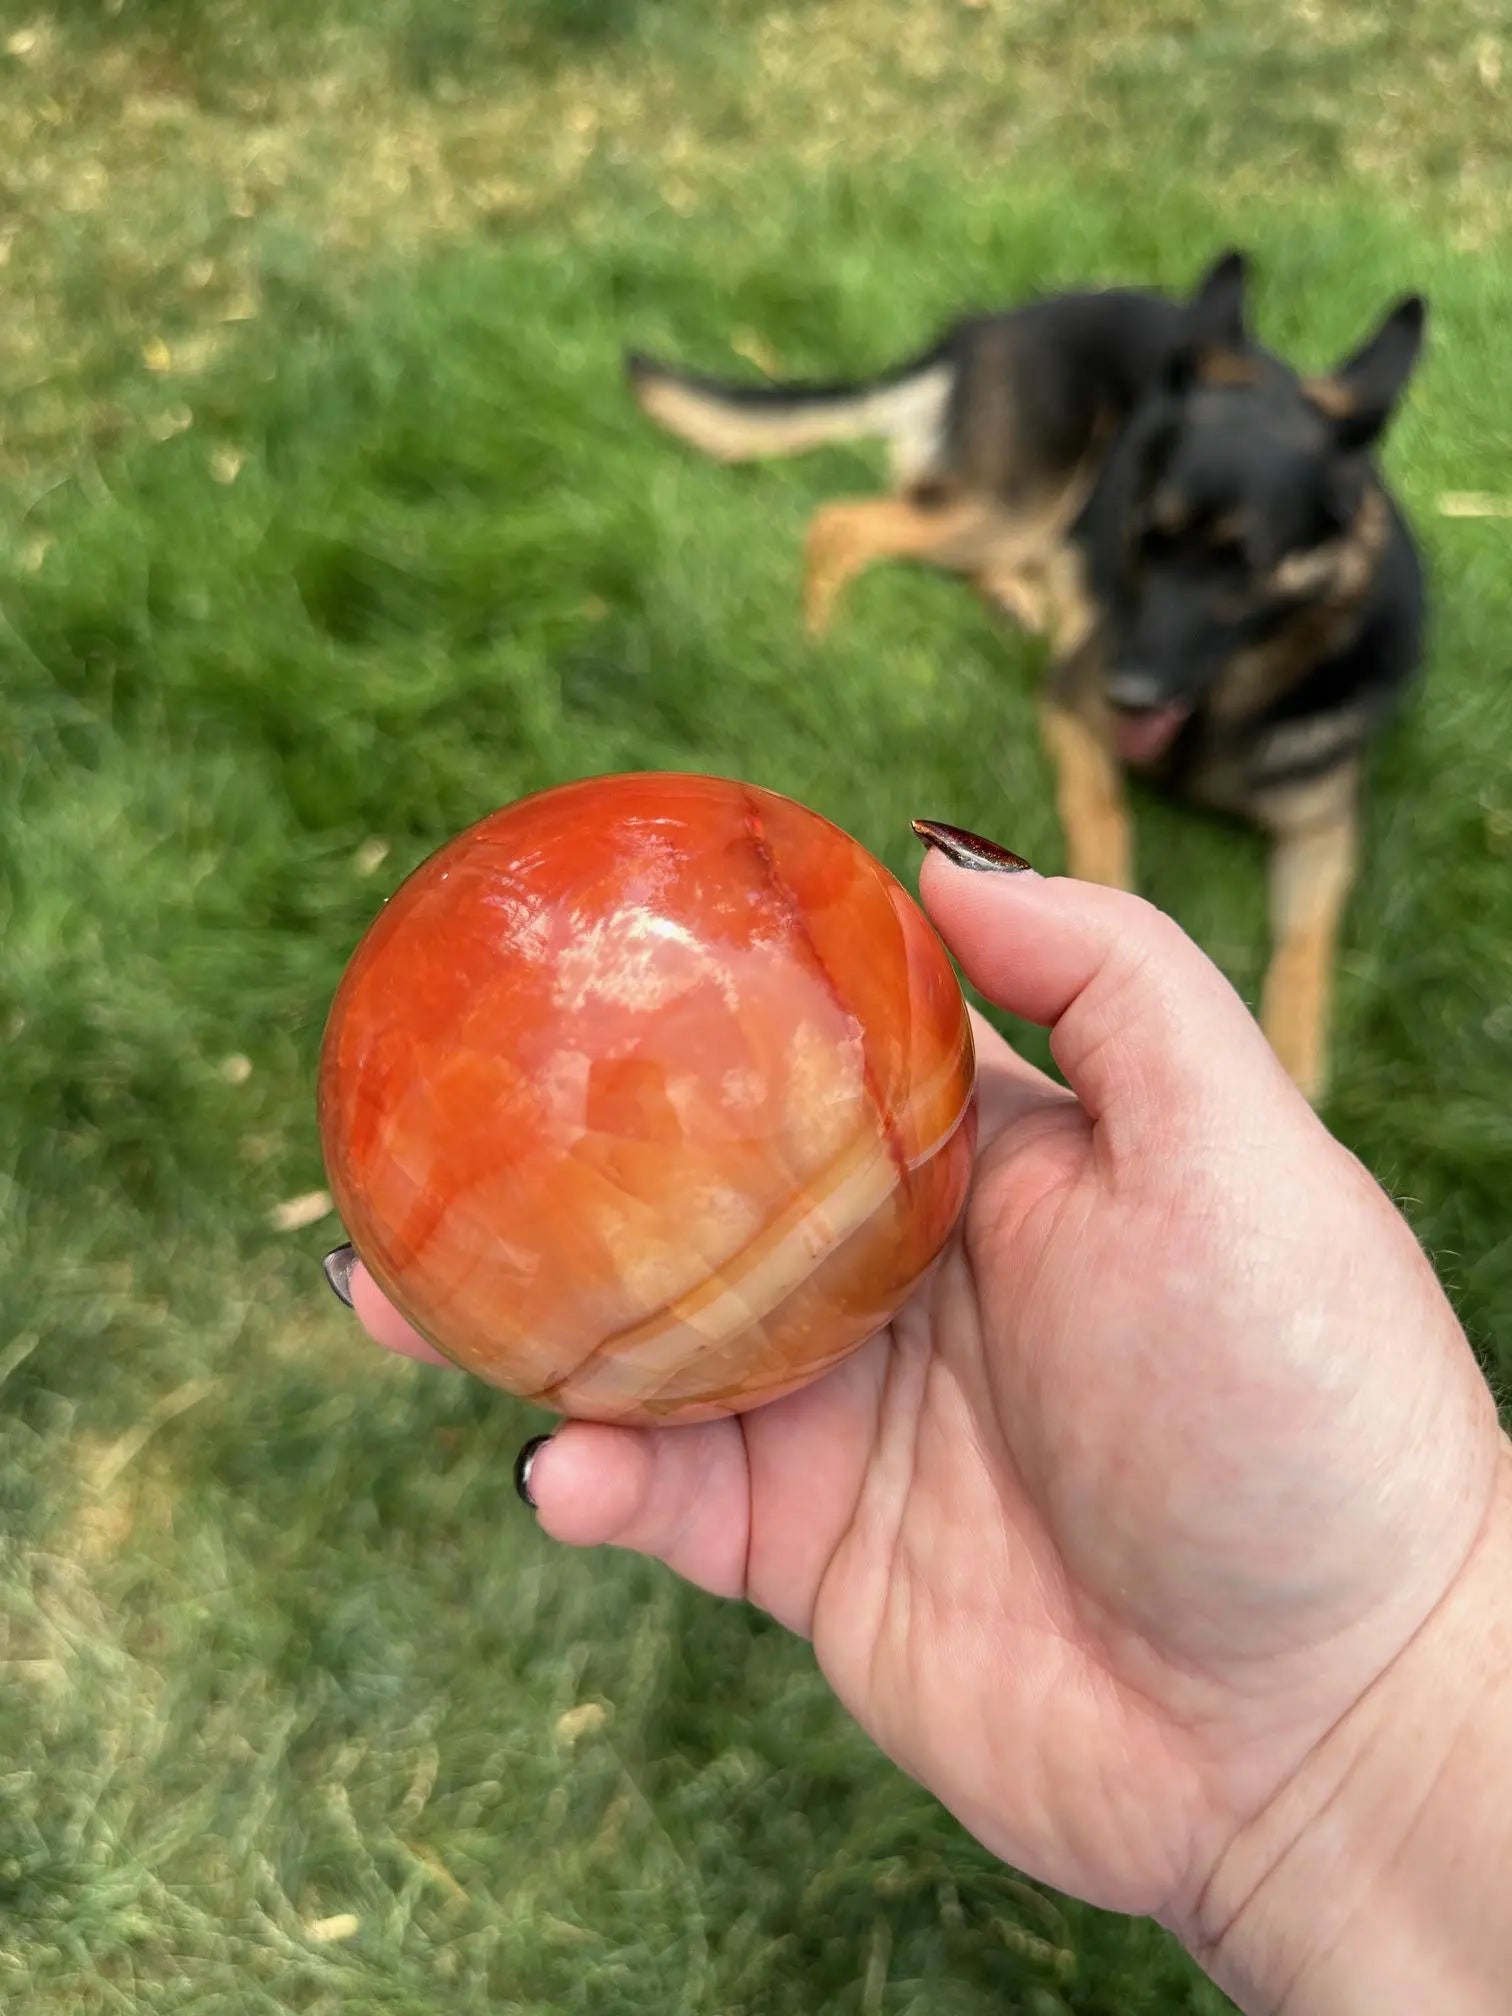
column 525, row 1463
column 969, row 850
column 338, row 1271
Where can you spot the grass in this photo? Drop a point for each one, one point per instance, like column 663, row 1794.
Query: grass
column 324, row 528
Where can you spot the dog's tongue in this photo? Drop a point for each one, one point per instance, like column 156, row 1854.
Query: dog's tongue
column 1141, row 737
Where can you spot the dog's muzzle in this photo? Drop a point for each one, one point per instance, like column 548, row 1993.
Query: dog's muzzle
column 1145, row 720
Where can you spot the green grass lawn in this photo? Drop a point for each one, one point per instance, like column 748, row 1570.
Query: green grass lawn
column 325, row 527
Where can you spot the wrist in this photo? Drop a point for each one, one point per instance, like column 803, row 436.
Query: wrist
column 1379, row 1880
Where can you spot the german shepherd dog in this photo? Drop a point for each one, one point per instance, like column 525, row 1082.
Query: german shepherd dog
column 1232, row 597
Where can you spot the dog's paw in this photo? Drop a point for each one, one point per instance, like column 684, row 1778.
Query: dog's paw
column 1309, row 1076
column 1292, row 1029
column 819, row 599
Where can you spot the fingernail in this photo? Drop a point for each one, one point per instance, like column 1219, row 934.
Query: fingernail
column 525, row 1463
column 969, row 850
column 338, row 1267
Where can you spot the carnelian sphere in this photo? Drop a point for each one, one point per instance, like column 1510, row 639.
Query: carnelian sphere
column 649, row 1097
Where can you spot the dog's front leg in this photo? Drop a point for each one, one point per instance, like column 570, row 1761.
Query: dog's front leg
column 847, row 537
column 1312, row 870
column 1089, row 797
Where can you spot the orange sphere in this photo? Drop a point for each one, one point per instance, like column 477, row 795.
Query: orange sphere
column 649, row 1097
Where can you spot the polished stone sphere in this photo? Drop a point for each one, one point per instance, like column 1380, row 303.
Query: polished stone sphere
column 649, row 1097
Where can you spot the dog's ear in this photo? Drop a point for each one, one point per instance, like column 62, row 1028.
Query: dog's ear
column 1215, row 312
column 1214, row 319
column 1359, row 395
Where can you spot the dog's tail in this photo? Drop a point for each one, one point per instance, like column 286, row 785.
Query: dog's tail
column 747, row 423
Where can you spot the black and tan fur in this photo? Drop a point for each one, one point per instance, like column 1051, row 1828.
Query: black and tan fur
column 1232, row 596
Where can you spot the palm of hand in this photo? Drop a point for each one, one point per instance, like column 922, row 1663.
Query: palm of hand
column 1070, row 1538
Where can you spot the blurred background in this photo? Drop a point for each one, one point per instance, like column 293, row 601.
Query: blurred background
column 326, row 527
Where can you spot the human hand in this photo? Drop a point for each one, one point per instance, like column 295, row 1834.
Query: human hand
column 1147, row 1490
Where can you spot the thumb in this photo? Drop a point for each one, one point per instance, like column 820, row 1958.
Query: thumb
column 1145, row 1028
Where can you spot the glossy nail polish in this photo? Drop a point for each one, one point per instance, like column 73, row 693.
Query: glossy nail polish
column 338, row 1267
column 525, row 1463
column 969, row 850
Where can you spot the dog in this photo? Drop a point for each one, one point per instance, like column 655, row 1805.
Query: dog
column 1232, row 597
